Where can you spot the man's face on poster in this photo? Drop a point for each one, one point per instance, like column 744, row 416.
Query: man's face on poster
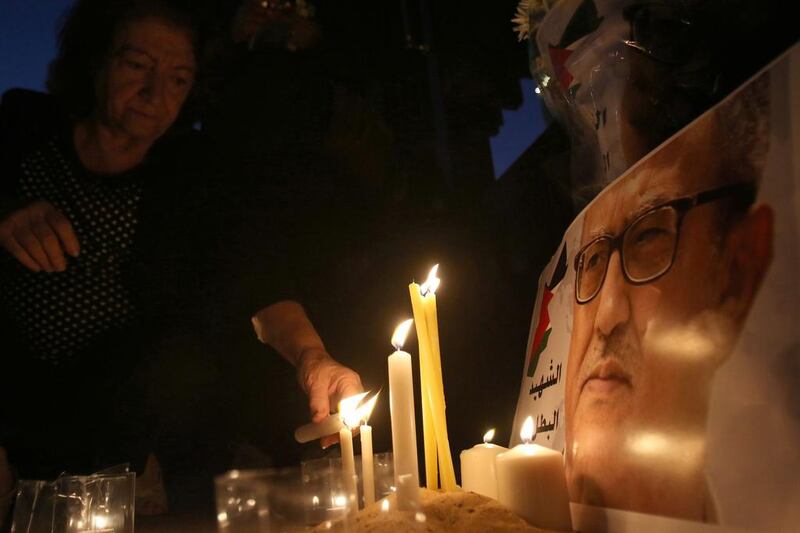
column 654, row 314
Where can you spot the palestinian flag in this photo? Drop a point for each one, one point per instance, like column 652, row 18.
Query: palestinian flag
column 583, row 21
column 543, row 329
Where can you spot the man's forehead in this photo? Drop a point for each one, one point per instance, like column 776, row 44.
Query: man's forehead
column 628, row 198
column 687, row 165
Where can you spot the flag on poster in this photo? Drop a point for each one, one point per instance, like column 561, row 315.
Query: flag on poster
column 543, row 328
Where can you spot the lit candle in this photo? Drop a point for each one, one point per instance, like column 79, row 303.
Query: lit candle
column 348, row 411
column 404, row 431
column 367, row 469
column 478, row 472
column 434, row 420
column 428, row 429
column 531, row 482
column 316, row 430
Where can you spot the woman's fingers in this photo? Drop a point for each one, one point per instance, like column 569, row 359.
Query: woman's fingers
column 37, row 236
column 30, row 242
column 19, row 253
column 66, row 234
column 51, row 245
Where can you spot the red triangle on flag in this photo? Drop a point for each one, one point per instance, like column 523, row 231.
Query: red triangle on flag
column 558, row 57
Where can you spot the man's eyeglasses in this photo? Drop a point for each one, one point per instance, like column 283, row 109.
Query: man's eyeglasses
column 648, row 244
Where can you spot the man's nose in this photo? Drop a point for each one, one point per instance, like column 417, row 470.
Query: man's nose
column 613, row 303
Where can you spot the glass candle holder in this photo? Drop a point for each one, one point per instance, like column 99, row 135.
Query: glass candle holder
column 383, row 474
column 100, row 503
column 283, row 500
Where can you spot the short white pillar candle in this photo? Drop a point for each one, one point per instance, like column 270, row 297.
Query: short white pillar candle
column 531, row 482
column 478, row 472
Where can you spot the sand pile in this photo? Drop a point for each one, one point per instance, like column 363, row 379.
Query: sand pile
column 464, row 512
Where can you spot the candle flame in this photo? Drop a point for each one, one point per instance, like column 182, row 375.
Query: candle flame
column 400, row 333
column 432, row 283
column 385, row 505
column 528, row 431
column 365, row 409
column 488, row 436
column 348, row 409
column 100, row 521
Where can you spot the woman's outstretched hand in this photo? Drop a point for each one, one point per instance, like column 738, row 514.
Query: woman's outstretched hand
column 38, row 235
column 325, row 381
column 285, row 326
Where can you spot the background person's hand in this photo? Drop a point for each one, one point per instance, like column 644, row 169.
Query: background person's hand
column 252, row 16
column 38, row 236
column 325, row 381
column 249, row 19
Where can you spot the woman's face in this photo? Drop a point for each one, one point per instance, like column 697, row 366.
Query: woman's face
column 148, row 76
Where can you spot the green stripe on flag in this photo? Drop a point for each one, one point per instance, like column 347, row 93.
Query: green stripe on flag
column 539, row 350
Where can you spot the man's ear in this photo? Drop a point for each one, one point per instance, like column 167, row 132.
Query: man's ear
column 748, row 254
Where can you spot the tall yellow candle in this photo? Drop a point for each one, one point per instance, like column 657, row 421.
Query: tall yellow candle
column 428, row 430
column 423, row 301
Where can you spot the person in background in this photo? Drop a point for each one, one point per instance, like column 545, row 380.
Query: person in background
column 296, row 121
column 111, row 258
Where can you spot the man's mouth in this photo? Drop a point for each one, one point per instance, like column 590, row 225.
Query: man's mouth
column 606, row 377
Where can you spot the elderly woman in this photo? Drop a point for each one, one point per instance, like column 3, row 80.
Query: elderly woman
column 107, row 243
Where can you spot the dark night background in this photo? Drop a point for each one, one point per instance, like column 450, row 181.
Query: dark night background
column 470, row 190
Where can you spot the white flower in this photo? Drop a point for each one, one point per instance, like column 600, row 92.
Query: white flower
column 521, row 20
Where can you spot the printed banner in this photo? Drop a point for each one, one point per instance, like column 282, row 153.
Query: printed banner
column 664, row 352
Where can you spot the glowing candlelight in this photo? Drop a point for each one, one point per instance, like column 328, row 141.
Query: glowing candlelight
column 367, row 469
column 478, row 473
column 348, row 412
column 434, row 421
column 531, row 482
column 404, row 432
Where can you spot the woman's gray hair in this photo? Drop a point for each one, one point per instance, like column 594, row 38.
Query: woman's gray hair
column 87, row 34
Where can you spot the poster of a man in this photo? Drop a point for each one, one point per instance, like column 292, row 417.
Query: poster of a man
column 674, row 325
column 670, row 259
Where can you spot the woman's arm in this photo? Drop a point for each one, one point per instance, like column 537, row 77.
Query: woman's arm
column 285, row 327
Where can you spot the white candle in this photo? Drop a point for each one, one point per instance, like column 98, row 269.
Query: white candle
column 478, row 472
column 349, row 414
column 367, row 472
column 531, row 482
column 404, row 430
column 316, row 430
column 348, row 464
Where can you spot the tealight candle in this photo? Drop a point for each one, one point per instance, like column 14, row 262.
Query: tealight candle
column 478, row 472
column 531, row 482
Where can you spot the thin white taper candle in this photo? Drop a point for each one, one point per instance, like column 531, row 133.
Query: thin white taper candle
column 404, row 431
column 367, row 471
